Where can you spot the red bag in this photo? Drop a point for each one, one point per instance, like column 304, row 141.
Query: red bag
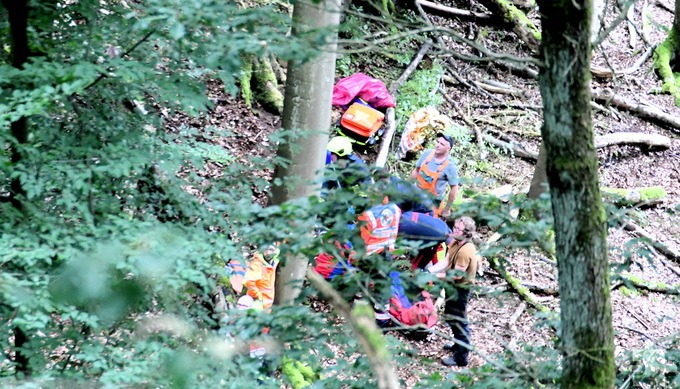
column 372, row 91
column 422, row 312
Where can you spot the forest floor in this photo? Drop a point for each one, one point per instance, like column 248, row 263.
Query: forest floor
column 641, row 319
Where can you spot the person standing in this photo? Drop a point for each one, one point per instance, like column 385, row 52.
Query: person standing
column 461, row 256
column 435, row 170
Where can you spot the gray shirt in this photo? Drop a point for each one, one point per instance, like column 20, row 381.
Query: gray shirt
column 448, row 176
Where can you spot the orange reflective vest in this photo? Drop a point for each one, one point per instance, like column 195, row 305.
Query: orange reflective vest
column 380, row 227
column 260, row 279
column 427, row 179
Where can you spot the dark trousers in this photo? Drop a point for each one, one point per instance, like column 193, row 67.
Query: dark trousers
column 455, row 310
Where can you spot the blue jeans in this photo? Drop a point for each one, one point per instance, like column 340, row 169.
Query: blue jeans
column 456, row 318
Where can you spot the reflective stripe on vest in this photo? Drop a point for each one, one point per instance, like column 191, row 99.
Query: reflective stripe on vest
column 381, row 228
column 427, row 179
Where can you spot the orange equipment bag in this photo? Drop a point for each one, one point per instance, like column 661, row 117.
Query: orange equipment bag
column 362, row 120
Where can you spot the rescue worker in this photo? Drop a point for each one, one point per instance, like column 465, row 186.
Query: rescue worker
column 349, row 168
column 435, row 170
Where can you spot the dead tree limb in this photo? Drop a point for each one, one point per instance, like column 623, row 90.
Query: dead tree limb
column 664, row 6
column 632, row 31
column 508, row 90
column 669, row 252
column 653, row 141
column 515, row 149
column 512, row 345
column 516, row 285
column 637, row 283
column 466, row 120
column 381, row 160
column 619, row 18
column 642, row 110
column 365, row 329
column 391, row 123
column 410, row 68
column 453, row 11
column 603, row 72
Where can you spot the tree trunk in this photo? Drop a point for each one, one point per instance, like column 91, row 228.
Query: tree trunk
column 596, row 18
column 18, row 19
column 580, row 223
column 539, row 179
column 665, row 54
column 307, row 113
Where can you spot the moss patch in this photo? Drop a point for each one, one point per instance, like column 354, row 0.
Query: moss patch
column 663, row 55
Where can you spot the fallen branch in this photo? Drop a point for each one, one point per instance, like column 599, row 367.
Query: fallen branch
column 623, row 197
column 515, row 149
column 364, row 328
column 506, row 105
column 512, row 345
column 637, row 331
column 637, row 283
column 667, row 251
column 654, row 141
column 632, row 31
column 381, row 160
column 466, row 120
column 516, row 285
column 391, row 123
column 645, row 111
column 503, row 89
column 664, row 6
column 604, row 72
column 453, row 11
column 531, row 287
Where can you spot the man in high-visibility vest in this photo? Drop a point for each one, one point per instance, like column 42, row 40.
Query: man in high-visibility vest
column 435, row 170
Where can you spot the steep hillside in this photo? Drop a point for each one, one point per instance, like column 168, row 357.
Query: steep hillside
column 500, row 99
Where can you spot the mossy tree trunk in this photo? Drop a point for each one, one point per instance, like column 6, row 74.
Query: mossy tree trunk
column 580, row 221
column 521, row 24
column 306, row 112
column 667, row 53
column 258, row 83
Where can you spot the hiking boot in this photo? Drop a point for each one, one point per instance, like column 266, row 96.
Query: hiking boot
column 450, row 347
column 455, row 360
